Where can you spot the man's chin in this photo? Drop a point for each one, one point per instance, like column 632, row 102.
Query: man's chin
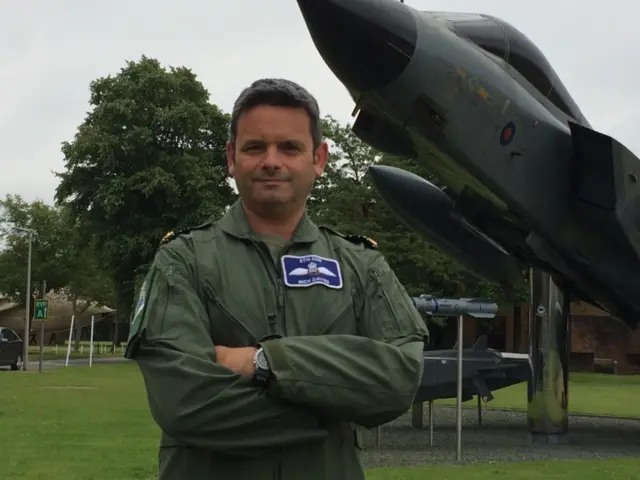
column 272, row 199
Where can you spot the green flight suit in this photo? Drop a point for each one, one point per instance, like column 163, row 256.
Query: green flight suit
column 344, row 353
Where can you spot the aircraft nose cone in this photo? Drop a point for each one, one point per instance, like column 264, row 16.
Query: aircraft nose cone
column 366, row 43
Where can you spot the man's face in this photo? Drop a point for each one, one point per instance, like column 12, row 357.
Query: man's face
column 273, row 161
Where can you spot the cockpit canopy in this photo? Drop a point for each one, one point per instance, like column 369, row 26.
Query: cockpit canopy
column 504, row 41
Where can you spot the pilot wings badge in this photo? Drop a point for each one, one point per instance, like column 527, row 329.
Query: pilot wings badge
column 311, row 270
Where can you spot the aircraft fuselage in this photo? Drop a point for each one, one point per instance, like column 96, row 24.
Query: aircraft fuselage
column 479, row 104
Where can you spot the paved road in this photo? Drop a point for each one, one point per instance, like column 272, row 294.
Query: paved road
column 74, row 361
column 50, row 364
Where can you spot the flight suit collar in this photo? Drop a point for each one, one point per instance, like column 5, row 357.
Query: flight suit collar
column 235, row 223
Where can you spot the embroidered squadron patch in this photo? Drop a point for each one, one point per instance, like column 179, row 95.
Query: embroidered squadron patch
column 309, row 270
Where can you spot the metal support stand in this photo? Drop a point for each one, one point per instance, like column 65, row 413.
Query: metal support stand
column 549, row 346
column 417, row 415
column 479, row 411
column 431, row 423
column 459, row 389
column 474, row 307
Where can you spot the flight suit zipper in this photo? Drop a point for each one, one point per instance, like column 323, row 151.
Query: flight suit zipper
column 282, row 306
column 273, row 323
column 282, row 298
column 276, row 279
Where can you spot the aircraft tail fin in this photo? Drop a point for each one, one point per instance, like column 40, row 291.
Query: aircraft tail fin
column 482, row 343
column 605, row 170
column 594, row 170
column 606, row 177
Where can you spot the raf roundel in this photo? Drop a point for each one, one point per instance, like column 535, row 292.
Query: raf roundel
column 507, row 134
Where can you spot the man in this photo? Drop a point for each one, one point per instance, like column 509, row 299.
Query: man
column 263, row 339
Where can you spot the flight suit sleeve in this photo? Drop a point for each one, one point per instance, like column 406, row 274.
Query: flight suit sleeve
column 369, row 379
column 194, row 400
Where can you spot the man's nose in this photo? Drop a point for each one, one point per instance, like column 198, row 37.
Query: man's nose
column 272, row 157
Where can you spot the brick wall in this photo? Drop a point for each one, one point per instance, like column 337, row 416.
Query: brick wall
column 604, row 337
column 594, row 334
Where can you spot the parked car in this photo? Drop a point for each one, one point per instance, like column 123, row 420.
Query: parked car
column 10, row 349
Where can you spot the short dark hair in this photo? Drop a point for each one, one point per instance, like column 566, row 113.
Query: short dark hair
column 277, row 92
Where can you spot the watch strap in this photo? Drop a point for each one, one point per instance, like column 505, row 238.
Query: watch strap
column 261, row 377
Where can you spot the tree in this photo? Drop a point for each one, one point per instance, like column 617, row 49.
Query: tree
column 89, row 285
column 47, row 255
column 58, row 257
column 148, row 158
column 341, row 196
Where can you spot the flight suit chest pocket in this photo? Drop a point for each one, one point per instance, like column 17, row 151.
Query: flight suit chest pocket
column 231, row 323
column 226, row 330
column 318, row 310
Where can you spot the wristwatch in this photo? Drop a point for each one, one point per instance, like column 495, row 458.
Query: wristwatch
column 262, row 375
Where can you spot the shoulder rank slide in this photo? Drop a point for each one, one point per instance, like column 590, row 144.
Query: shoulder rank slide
column 357, row 239
column 361, row 239
column 168, row 237
column 173, row 234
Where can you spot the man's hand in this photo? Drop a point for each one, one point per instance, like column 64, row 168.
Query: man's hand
column 239, row 360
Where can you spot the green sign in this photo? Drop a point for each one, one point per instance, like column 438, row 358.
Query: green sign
column 41, row 310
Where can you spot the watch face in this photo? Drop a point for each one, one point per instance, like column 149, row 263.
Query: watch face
column 261, row 360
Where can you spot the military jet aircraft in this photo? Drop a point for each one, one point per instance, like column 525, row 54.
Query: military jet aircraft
column 527, row 181
column 484, row 370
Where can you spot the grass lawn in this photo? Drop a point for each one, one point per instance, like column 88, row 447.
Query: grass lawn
column 598, row 394
column 93, row 424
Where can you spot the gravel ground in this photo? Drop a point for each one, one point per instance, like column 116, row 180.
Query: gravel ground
column 502, row 437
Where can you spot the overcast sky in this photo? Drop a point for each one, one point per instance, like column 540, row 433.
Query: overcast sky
column 52, row 49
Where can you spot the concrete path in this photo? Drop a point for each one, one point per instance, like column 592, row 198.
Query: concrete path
column 50, row 364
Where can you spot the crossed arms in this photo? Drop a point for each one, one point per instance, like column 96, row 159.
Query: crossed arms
column 203, row 396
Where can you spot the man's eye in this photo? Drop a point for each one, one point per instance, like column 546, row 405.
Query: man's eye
column 290, row 147
column 252, row 148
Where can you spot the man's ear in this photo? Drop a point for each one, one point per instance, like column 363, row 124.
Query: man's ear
column 320, row 158
column 231, row 156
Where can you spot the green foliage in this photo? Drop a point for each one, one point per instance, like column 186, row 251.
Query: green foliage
column 88, row 283
column 47, row 257
column 58, row 256
column 149, row 157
